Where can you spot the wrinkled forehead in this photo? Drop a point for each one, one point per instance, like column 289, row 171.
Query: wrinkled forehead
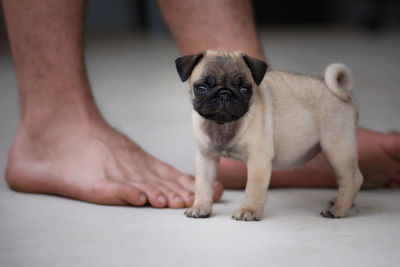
column 220, row 69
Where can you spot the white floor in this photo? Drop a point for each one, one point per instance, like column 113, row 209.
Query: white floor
column 136, row 86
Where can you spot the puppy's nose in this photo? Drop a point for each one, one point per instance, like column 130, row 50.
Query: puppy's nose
column 224, row 96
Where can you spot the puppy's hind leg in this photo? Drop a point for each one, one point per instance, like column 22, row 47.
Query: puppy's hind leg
column 340, row 150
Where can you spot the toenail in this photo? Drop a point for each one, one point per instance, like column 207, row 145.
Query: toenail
column 178, row 199
column 161, row 199
column 142, row 198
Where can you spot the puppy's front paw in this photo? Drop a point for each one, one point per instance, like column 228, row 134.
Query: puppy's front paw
column 331, row 212
column 199, row 211
column 247, row 214
column 333, row 201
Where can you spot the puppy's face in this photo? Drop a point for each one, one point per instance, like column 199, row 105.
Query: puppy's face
column 222, row 83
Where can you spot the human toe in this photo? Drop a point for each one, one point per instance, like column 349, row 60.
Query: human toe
column 154, row 195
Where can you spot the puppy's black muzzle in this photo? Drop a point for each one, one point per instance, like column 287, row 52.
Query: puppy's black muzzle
column 222, row 104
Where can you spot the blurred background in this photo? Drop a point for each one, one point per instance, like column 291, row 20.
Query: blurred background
column 144, row 15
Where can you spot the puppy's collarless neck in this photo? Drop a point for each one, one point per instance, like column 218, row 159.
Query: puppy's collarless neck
column 220, row 134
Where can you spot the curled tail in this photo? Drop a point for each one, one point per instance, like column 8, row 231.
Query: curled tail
column 339, row 80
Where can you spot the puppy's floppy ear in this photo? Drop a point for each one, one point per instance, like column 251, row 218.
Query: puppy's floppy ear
column 257, row 68
column 186, row 64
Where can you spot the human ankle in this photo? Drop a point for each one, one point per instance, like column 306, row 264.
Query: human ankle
column 39, row 119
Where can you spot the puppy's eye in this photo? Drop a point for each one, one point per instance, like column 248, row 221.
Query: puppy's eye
column 200, row 89
column 244, row 90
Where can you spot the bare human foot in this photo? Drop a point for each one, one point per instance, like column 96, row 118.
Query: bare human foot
column 95, row 163
column 379, row 158
column 378, row 155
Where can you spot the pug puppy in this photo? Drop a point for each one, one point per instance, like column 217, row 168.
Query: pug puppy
column 275, row 121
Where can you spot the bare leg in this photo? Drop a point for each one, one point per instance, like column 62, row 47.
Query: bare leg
column 198, row 25
column 63, row 145
column 228, row 25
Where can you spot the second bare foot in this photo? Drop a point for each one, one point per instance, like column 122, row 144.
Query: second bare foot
column 379, row 161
